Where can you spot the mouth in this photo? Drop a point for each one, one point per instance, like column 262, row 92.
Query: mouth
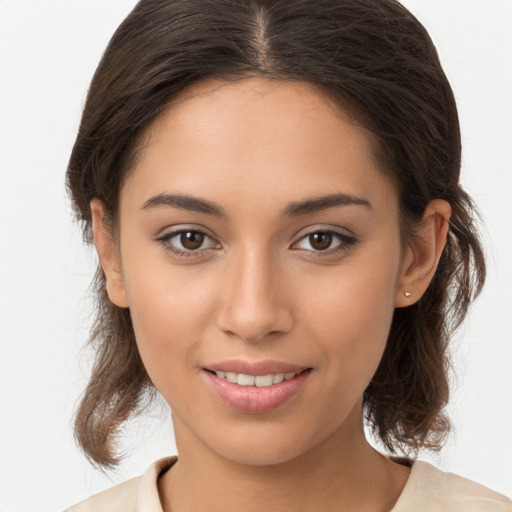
column 256, row 388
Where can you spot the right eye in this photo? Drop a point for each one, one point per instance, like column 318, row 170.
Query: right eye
column 187, row 242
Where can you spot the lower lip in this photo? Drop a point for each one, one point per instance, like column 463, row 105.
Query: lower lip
column 252, row 399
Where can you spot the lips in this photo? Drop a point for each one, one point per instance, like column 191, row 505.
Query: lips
column 255, row 387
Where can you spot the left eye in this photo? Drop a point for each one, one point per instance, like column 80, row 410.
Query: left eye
column 188, row 240
column 320, row 241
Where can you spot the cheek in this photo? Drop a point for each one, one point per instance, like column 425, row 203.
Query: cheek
column 170, row 308
column 350, row 317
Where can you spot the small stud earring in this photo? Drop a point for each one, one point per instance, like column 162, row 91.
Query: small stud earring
column 407, row 294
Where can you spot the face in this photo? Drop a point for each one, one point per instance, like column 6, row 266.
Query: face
column 260, row 257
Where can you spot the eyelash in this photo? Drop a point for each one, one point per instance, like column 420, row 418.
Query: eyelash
column 345, row 242
column 165, row 242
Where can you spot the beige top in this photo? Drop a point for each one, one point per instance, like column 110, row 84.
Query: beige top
column 428, row 489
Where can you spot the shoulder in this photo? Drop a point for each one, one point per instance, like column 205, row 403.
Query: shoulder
column 140, row 493
column 429, row 489
column 122, row 497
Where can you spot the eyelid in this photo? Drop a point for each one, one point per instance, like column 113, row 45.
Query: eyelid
column 170, row 233
column 345, row 240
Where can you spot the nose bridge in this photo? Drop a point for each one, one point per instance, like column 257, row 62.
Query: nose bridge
column 253, row 304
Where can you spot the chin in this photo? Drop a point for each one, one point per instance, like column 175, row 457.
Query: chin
column 262, row 454
column 267, row 444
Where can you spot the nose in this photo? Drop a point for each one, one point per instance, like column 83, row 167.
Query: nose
column 254, row 303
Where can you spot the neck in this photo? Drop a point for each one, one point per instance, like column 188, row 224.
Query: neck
column 344, row 473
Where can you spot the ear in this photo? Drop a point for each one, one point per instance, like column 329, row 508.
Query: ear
column 423, row 253
column 108, row 255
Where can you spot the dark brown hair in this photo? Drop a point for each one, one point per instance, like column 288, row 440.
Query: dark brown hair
column 375, row 60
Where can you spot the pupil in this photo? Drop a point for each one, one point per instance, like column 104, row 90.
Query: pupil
column 320, row 241
column 192, row 240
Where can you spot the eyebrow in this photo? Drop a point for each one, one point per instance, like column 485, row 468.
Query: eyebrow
column 185, row 202
column 294, row 209
column 315, row 204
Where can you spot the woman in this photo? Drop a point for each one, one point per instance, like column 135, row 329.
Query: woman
column 285, row 250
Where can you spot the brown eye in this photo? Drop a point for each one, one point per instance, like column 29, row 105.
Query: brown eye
column 320, row 241
column 325, row 242
column 189, row 242
column 192, row 240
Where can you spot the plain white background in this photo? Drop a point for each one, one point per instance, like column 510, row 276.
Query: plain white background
column 48, row 53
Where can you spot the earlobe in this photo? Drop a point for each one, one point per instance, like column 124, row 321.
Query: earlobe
column 423, row 253
column 107, row 254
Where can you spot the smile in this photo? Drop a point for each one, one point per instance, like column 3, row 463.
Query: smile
column 260, row 381
column 267, row 387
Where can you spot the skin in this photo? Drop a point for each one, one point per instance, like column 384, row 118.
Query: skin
column 258, row 288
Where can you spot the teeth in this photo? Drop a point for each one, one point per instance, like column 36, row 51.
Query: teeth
column 245, row 380
column 230, row 377
column 263, row 381
column 278, row 377
column 260, row 381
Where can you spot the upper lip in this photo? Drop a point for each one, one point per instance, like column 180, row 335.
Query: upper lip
column 255, row 367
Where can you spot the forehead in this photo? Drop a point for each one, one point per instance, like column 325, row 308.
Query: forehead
column 249, row 101
column 247, row 90
column 256, row 136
